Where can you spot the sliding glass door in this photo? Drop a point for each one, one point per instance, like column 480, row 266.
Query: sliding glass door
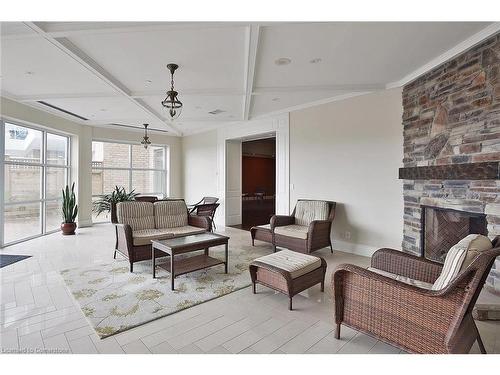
column 35, row 168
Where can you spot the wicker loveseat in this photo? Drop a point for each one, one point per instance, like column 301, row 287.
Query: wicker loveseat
column 307, row 229
column 402, row 299
column 141, row 222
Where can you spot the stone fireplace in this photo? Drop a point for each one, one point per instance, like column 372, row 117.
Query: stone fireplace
column 451, row 123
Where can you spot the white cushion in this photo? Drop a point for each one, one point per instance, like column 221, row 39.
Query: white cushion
column 297, row 264
column 456, row 256
column 139, row 215
column 296, row 231
column 185, row 230
column 170, row 214
column 144, row 237
column 403, row 279
column 307, row 211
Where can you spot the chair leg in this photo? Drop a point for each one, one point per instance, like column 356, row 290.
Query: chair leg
column 131, row 267
column 331, row 247
column 114, row 255
column 481, row 345
column 290, row 304
column 253, row 288
column 274, row 248
column 337, row 332
column 479, row 340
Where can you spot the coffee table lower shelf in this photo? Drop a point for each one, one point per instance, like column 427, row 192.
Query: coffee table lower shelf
column 191, row 264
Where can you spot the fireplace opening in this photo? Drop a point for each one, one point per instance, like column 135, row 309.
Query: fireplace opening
column 443, row 227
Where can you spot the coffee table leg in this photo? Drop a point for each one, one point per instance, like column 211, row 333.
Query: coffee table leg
column 206, row 251
column 172, row 275
column 225, row 265
column 153, row 260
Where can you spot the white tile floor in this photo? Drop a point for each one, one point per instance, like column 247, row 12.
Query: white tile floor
column 38, row 314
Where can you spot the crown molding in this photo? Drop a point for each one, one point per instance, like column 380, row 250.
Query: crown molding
column 448, row 55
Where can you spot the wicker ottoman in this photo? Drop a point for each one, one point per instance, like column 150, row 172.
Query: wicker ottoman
column 288, row 272
column 262, row 233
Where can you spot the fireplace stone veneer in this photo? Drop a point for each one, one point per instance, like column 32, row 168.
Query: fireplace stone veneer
column 451, row 115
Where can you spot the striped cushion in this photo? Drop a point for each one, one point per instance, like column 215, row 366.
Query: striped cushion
column 296, row 231
column 307, row 211
column 170, row 214
column 457, row 255
column 139, row 215
column 297, row 264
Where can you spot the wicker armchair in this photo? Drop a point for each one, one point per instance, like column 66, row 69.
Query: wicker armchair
column 414, row 319
column 304, row 236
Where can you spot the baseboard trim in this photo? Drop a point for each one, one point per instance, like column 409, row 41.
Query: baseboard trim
column 354, row 248
column 84, row 223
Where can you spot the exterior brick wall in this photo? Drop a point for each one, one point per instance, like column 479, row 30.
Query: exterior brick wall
column 452, row 115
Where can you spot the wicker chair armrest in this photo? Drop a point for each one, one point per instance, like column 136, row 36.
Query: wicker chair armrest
column 319, row 229
column 281, row 220
column 414, row 267
column 343, row 269
column 124, row 239
column 200, row 221
column 319, row 225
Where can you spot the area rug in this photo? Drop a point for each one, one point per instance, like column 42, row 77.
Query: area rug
column 115, row 300
column 6, row 259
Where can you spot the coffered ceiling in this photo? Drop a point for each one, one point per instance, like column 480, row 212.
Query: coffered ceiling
column 115, row 73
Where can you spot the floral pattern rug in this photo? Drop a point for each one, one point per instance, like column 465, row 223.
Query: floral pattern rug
column 115, row 300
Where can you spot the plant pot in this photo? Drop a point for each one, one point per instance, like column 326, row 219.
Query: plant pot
column 68, row 228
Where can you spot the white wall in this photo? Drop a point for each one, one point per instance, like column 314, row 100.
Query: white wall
column 81, row 147
column 199, row 166
column 349, row 152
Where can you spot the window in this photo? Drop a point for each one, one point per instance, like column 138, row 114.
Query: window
column 128, row 165
column 35, row 169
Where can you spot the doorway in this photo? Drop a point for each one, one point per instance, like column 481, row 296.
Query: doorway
column 229, row 163
column 258, row 180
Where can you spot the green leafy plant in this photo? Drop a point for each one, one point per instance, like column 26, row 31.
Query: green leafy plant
column 69, row 206
column 104, row 203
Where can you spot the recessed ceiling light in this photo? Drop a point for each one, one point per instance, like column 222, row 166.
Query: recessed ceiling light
column 29, row 73
column 315, row 60
column 275, row 99
column 282, row 61
column 148, row 81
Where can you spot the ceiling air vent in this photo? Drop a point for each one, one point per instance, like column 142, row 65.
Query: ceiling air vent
column 62, row 110
column 216, row 111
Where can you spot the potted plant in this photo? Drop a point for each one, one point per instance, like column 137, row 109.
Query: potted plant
column 107, row 202
column 69, row 210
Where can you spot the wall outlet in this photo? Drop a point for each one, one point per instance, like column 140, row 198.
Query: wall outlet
column 347, row 235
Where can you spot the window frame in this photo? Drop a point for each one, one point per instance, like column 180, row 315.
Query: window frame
column 165, row 171
column 43, row 178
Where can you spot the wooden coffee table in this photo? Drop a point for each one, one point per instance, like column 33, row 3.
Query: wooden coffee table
column 187, row 244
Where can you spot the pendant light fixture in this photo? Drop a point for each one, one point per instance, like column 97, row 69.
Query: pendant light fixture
column 171, row 102
column 145, row 140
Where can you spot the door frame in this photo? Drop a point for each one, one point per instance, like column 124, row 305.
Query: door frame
column 279, row 126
